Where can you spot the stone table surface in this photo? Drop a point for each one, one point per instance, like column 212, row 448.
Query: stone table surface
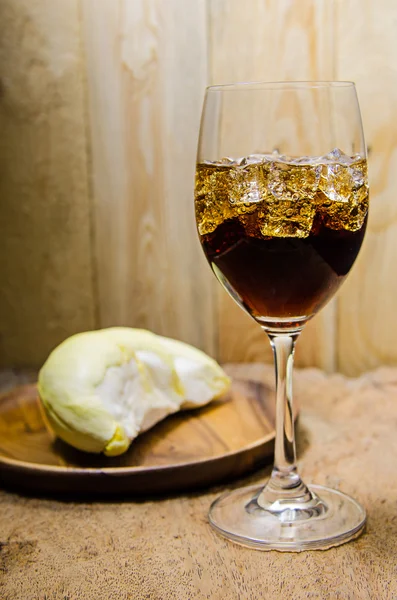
column 164, row 548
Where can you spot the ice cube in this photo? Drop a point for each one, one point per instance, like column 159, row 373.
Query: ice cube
column 253, row 159
column 212, row 197
column 288, row 218
column 293, row 182
column 338, row 156
column 348, row 215
column 306, row 160
column 280, row 158
column 334, row 155
column 358, row 176
column 247, row 187
column 338, row 181
column 227, row 161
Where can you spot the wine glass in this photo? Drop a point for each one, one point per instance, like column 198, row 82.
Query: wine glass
column 281, row 203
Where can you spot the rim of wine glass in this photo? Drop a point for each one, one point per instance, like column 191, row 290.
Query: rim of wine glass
column 280, row 85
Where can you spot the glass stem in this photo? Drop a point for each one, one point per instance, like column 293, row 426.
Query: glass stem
column 284, row 470
column 285, row 492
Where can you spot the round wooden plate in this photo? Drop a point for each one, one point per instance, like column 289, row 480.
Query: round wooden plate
column 226, row 439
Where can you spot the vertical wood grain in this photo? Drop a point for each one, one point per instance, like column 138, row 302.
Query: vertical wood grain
column 367, row 53
column 99, row 113
column 272, row 40
column 46, row 271
column 147, row 70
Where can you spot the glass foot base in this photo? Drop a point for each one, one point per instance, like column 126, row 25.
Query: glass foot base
column 238, row 517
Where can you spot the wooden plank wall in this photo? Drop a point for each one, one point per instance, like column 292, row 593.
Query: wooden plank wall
column 147, row 70
column 99, row 111
column 367, row 53
column 46, row 254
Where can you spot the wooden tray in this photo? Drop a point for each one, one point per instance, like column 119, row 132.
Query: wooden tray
column 188, row 450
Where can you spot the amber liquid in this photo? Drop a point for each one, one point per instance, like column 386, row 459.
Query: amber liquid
column 281, row 233
column 281, row 280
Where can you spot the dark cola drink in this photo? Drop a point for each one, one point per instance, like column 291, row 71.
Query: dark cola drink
column 282, row 233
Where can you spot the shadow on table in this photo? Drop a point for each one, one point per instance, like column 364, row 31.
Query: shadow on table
column 254, row 476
